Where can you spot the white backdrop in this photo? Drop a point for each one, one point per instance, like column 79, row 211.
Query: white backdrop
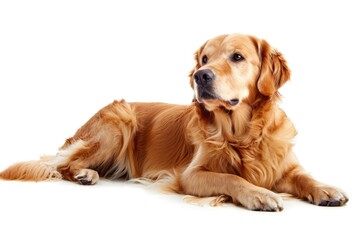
column 61, row 61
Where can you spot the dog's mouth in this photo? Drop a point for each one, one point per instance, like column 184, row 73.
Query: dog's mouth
column 233, row 102
column 205, row 95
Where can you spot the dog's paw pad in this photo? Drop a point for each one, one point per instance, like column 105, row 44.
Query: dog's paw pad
column 84, row 181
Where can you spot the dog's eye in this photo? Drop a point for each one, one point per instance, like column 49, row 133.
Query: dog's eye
column 204, row 59
column 236, row 57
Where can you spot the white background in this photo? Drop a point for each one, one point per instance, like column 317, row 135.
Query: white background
column 61, row 61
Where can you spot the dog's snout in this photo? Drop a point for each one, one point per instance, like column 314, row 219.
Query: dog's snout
column 204, row 77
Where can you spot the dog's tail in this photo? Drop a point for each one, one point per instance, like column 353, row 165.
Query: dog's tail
column 40, row 170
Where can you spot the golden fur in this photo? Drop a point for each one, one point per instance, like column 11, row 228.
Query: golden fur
column 233, row 141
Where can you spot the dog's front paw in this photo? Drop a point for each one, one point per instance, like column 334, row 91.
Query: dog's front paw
column 260, row 200
column 327, row 196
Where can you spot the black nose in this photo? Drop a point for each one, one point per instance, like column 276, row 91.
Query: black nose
column 204, row 77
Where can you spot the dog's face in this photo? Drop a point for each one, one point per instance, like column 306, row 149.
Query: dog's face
column 231, row 69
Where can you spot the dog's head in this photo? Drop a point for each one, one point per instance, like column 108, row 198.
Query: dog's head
column 231, row 69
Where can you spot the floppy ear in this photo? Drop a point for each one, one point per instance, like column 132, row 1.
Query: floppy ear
column 197, row 66
column 274, row 70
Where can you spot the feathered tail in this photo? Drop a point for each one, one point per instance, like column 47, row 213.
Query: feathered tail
column 40, row 170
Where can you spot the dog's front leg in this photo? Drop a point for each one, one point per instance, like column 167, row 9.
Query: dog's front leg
column 205, row 184
column 300, row 184
column 199, row 181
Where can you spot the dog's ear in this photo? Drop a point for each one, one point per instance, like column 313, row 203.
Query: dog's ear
column 197, row 55
column 274, row 70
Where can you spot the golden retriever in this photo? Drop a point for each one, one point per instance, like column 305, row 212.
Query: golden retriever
column 232, row 141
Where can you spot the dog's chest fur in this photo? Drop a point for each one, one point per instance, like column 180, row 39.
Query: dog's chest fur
column 251, row 143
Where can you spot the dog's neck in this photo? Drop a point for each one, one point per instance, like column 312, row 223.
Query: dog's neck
column 237, row 126
column 225, row 123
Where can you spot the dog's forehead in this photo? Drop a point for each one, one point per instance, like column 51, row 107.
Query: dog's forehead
column 214, row 44
column 238, row 42
column 231, row 43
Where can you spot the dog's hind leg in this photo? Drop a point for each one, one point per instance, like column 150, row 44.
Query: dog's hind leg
column 102, row 147
column 74, row 162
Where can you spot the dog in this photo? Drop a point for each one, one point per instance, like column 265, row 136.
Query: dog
column 232, row 142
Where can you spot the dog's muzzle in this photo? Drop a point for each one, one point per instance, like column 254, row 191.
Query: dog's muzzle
column 204, row 80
